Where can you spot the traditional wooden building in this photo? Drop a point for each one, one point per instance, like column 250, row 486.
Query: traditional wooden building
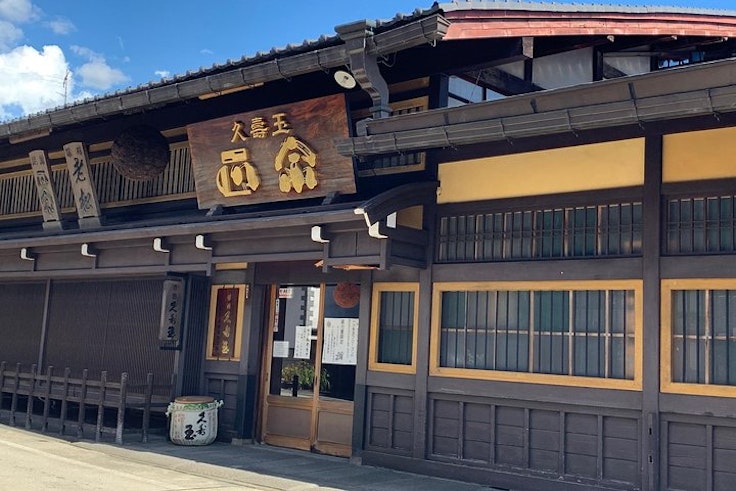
column 491, row 241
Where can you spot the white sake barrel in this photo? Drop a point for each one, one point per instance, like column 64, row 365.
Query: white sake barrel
column 193, row 420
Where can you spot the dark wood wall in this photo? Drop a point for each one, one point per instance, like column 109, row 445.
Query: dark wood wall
column 534, row 436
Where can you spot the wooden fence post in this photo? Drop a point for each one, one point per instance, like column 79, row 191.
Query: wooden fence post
column 14, row 400
column 47, row 400
column 2, row 378
column 64, row 397
column 121, row 408
column 29, row 402
column 148, row 395
column 82, row 397
column 101, row 406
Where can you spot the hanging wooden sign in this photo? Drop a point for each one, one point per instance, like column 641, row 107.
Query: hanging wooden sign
column 44, row 186
column 171, row 313
column 85, row 196
column 273, row 154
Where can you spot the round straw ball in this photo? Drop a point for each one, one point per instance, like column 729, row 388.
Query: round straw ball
column 140, row 153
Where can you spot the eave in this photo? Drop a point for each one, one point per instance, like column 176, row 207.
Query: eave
column 424, row 30
column 326, row 233
column 697, row 90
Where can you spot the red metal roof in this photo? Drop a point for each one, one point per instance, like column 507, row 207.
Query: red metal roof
column 493, row 23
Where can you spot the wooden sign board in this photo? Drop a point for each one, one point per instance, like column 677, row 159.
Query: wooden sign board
column 273, row 154
column 172, row 305
column 44, row 186
column 83, row 187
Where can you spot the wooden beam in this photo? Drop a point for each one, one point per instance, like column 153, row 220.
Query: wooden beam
column 459, row 57
column 502, row 82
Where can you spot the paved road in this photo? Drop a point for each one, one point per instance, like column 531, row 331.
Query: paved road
column 31, row 461
column 34, row 462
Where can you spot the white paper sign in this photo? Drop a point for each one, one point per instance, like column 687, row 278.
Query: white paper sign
column 340, row 345
column 303, row 343
column 280, row 349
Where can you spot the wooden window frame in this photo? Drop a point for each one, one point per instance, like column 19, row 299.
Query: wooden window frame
column 238, row 322
column 667, row 385
column 373, row 363
column 634, row 384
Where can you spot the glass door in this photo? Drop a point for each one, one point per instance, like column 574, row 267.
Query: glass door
column 309, row 369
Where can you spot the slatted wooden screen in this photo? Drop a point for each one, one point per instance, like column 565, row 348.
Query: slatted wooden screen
column 110, row 325
column 18, row 197
column 21, row 321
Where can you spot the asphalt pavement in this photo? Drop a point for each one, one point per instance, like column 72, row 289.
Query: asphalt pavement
column 33, row 461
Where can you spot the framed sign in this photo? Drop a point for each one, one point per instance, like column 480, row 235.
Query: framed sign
column 272, row 154
column 227, row 304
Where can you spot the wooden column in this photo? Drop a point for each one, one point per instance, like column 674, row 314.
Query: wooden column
column 651, row 247
column 360, row 396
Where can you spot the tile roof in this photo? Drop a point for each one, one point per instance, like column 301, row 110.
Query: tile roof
column 457, row 5
column 17, row 125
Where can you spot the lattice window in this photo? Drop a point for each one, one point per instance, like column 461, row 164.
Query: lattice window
column 394, row 327
column 584, row 231
column 550, row 330
column 699, row 336
column 701, row 225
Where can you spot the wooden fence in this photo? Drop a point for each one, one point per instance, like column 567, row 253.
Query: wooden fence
column 23, row 388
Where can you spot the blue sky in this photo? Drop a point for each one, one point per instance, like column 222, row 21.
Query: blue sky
column 57, row 51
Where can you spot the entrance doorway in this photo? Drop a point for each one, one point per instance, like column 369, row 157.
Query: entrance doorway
column 309, row 367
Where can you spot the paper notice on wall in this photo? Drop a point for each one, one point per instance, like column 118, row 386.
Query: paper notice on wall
column 340, row 345
column 280, row 349
column 303, row 343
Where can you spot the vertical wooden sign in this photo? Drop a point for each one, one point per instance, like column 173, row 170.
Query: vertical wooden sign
column 45, row 188
column 171, row 306
column 85, row 196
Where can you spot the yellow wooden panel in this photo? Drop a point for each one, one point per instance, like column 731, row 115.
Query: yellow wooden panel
column 699, row 155
column 411, row 217
column 561, row 170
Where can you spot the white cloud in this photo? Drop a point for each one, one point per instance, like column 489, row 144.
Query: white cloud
column 96, row 73
column 85, row 52
column 206, row 51
column 162, row 73
column 61, row 26
column 33, row 80
column 18, row 10
column 9, row 35
column 99, row 75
